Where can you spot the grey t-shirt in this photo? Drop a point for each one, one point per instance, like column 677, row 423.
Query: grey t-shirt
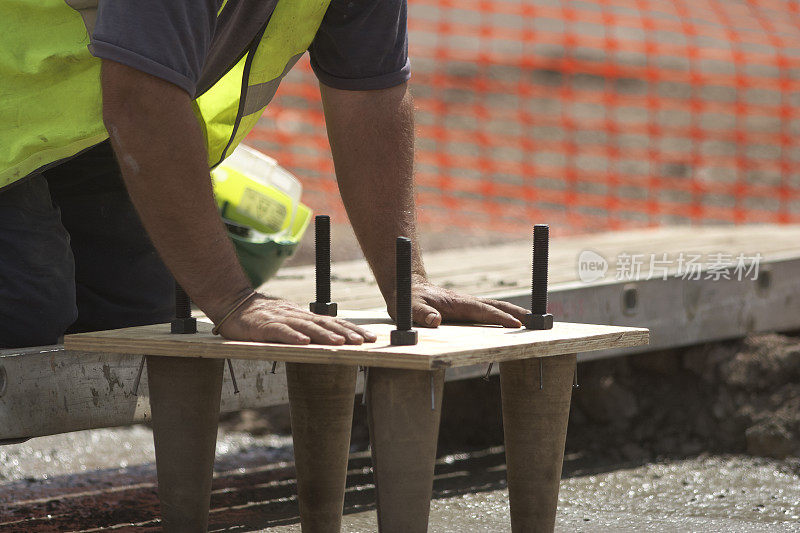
column 361, row 44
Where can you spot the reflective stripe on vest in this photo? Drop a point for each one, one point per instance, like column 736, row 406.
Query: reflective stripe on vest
column 291, row 29
column 50, row 97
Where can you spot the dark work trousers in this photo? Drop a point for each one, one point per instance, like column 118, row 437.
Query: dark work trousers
column 74, row 255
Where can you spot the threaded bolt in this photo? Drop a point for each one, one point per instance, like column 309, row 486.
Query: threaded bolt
column 539, row 317
column 403, row 259
column 541, row 241
column 403, row 335
column 322, row 241
column 183, row 323
column 322, row 267
column 183, row 304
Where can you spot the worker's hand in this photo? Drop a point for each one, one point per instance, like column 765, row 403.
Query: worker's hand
column 431, row 305
column 265, row 319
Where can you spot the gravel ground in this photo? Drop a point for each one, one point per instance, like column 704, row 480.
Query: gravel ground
column 107, row 481
column 684, row 495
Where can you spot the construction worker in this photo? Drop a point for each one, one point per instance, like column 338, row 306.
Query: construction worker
column 105, row 153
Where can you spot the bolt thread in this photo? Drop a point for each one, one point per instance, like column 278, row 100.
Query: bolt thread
column 541, row 239
column 403, row 280
column 183, row 304
column 322, row 242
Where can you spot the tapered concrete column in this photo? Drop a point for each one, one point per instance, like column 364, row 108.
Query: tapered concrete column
column 184, row 400
column 403, row 430
column 535, row 428
column 321, row 405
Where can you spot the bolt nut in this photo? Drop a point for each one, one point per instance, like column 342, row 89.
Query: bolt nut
column 184, row 325
column 323, row 308
column 403, row 337
column 544, row 321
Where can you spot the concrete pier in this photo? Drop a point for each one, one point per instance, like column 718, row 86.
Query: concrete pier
column 403, row 429
column 321, row 405
column 535, row 416
column 184, row 400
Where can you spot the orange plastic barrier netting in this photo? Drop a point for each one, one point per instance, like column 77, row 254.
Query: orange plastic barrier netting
column 589, row 115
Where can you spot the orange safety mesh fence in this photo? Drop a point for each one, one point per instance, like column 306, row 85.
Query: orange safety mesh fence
column 589, row 115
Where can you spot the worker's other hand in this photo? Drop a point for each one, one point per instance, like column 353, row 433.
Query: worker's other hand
column 431, row 305
column 265, row 319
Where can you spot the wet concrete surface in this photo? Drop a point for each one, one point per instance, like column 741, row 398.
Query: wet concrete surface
column 105, row 480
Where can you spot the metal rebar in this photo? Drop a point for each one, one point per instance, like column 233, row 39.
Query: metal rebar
column 541, row 374
column 138, row 377
column 233, row 377
column 274, row 366
column 488, row 372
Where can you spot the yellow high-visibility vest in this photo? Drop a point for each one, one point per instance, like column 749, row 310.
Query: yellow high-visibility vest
column 50, row 96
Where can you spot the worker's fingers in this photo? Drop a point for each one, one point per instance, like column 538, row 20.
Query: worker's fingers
column 351, row 332
column 425, row 315
column 366, row 335
column 322, row 321
column 319, row 334
column 350, row 336
column 279, row 332
column 513, row 310
column 474, row 310
column 353, row 336
column 274, row 320
column 432, row 305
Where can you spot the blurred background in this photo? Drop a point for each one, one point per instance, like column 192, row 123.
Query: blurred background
column 589, row 115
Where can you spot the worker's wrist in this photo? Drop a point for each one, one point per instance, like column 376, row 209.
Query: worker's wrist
column 233, row 310
column 217, row 308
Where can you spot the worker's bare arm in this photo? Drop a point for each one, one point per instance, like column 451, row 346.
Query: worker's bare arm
column 372, row 140
column 162, row 154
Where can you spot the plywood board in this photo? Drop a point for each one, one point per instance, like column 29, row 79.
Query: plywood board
column 446, row 346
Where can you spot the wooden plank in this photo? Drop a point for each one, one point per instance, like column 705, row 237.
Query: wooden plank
column 505, row 268
column 445, row 346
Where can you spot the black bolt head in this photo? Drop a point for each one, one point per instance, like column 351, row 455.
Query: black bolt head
column 323, row 308
column 534, row 321
column 403, row 337
column 184, row 325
